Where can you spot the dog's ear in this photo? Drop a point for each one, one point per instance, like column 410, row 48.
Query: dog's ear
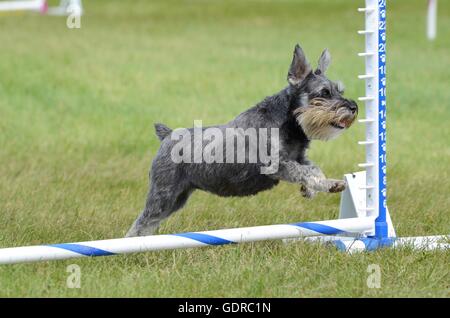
column 300, row 67
column 324, row 62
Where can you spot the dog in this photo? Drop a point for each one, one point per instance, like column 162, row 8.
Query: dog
column 310, row 107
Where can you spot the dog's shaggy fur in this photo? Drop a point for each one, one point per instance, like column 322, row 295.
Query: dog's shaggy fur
column 310, row 107
column 323, row 119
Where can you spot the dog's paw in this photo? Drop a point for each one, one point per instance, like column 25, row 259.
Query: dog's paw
column 336, row 186
column 307, row 193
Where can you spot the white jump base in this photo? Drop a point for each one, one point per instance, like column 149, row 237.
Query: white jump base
column 352, row 244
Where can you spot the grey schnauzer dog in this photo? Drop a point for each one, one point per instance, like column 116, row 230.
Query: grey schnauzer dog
column 310, row 107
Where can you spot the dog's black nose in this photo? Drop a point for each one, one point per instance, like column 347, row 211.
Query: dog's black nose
column 352, row 106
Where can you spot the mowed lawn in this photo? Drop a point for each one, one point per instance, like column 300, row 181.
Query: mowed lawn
column 77, row 109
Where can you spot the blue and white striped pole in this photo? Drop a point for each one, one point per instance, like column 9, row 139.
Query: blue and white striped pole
column 351, row 226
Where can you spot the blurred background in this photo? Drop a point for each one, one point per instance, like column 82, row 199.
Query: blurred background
column 79, row 96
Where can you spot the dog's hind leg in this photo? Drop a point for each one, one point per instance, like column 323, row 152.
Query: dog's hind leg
column 162, row 201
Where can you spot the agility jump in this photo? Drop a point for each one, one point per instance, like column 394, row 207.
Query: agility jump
column 364, row 223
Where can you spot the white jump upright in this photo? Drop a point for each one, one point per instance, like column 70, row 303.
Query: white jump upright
column 25, row 5
column 432, row 19
column 375, row 120
column 364, row 222
column 65, row 8
column 371, row 184
column 366, row 194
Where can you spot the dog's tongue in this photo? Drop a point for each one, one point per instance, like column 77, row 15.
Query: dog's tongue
column 343, row 123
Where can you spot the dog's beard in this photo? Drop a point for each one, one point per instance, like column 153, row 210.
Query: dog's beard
column 323, row 119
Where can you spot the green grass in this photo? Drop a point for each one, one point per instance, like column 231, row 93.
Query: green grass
column 77, row 109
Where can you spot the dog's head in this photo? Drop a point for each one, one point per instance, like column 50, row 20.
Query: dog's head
column 319, row 107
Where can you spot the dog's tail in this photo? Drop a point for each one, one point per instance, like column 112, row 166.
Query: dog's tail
column 162, row 131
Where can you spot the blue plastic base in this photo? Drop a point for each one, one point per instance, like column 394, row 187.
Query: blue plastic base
column 373, row 243
column 370, row 243
column 381, row 229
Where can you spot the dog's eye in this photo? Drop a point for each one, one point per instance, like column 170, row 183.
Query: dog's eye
column 325, row 93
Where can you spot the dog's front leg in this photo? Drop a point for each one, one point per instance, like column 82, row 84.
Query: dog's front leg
column 310, row 193
column 309, row 176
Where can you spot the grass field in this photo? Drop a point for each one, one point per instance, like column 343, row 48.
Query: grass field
column 77, row 109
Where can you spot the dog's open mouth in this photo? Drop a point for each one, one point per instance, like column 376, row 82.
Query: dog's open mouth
column 338, row 125
column 342, row 123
